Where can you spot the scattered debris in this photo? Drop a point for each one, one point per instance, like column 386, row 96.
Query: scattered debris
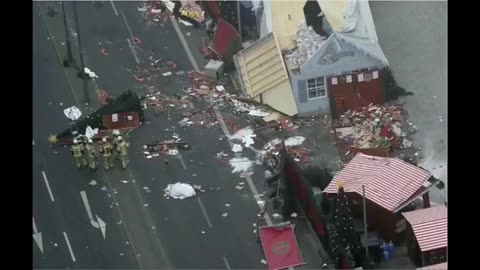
column 258, row 113
column 90, row 133
column 239, row 187
column 294, row 215
column 263, row 261
column 90, row 73
column 406, row 143
column 246, row 174
column 308, row 43
column 237, row 148
column 93, row 183
column 227, row 205
column 225, row 214
column 167, row 74
column 179, row 191
column 241, row 164
column 124, row 181
column 203, row 232
column 145, row 205
column 277, row 216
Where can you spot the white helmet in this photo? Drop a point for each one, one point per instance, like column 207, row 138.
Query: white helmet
column 116, row 132
column 75, row 141
column 120, row 138
column 90, row 141
column 104, row 140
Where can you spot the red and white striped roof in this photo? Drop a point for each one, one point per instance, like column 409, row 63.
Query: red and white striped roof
column 440, row 266
column 429, row 226
column 389, row 182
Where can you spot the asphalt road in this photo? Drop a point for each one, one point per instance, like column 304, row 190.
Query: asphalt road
column 69, row 239
column 180, row 234
column 163, row 233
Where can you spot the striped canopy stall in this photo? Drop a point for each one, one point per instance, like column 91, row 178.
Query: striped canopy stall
column 429, row 226
column 389, row 182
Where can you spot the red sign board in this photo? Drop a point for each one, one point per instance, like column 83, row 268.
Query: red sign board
column 280, row 247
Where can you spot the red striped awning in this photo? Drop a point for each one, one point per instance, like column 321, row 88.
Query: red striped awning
column 429, row 226
column 389, row 182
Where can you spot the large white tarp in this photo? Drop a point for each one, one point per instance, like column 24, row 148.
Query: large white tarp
column 356, row 27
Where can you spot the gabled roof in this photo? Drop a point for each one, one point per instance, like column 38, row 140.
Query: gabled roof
column 429, row 226
column 389, row 182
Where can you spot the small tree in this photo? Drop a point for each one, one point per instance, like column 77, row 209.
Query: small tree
column 344, row 239
column 392, row 90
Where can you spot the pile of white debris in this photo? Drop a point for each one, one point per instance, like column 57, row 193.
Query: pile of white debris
column 308, row 43
column 179, row 191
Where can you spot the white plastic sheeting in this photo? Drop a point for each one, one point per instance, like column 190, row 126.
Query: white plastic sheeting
column 357, row 25
column 294, row 141
column 179, row 191
column 72, row 113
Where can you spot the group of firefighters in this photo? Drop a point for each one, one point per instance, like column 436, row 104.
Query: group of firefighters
column 116, row 149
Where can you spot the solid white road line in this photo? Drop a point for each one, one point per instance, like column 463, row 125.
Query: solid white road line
column 34, row 226
column 227, row 133
column 249, row 179
column 48, row 186
column 204, row 213
column 128, row 26
column 226, row 263
column 114, row 8
column 184, row 43
column 181, row 160
column 69, row 246
column 133, row 51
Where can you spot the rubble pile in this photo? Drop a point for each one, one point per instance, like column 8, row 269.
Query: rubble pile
column 375, row 126
column 163, row 103
column 192, row 10
column 308, row 43
column 294, row 148
column 156, row 11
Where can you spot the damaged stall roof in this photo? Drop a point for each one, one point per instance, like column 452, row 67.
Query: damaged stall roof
column 263, row 75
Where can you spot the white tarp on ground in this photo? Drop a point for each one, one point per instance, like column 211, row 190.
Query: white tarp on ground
column 241, row 165
column 90, row 132
column 357, row 25
column 72, row 113
column 294, row 141
column 246, row 135
column 179, row 191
